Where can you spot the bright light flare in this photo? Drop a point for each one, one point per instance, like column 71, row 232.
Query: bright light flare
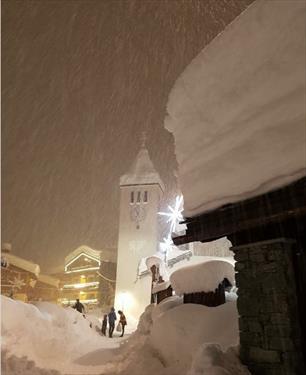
column 175, row 213
column 125, row 300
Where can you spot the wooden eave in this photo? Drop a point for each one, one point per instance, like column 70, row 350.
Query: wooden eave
column 272, row 208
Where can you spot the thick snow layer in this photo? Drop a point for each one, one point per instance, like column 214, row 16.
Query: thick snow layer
column 16, row 261
column 46, row 333
column 160, row 286
column 211, row 360
column 218, row 248
column 154, row 260
column 237, row 112
column 39, row 338
column 165, row 305
column 203, row 277
column 179, row 331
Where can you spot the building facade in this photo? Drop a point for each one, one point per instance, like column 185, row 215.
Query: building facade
column 88, row 276
column 22, row 279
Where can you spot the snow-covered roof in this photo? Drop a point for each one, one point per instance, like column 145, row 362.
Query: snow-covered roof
column 153, row 261
column 202, row 277
column 83, row 249
column 237, row 112
column 22, row 263
column 161, row 286
column 142, row 171
column 46, row 279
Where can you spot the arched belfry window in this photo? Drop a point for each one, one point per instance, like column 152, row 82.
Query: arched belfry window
column 138, row 197
column 132, row 197
column 145, row 197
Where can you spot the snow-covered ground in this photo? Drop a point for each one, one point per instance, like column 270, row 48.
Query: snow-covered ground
column 171, row 338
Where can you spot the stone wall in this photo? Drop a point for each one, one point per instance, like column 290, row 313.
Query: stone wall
column 270, row 335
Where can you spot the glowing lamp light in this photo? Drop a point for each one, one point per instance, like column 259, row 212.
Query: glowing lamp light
column 125, row 300
column 175, row 213
column 165, row 246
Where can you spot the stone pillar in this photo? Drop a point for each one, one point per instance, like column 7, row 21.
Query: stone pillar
column 270, row 335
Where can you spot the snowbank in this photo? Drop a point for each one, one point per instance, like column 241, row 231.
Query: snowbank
column 203, row 277
column 171, row 338
column 165, row 305
column 46, row 333
column 212, row 360
column 179, row 331
column 237, row 112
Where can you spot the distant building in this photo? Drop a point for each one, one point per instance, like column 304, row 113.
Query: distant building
column 22, row 280
column 46, row 289
column 89, row 275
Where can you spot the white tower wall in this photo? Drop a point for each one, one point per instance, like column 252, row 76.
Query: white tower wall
column 138, row 234
column 137, row 239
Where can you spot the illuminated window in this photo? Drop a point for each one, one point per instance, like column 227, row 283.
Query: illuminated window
column 132, row 197
column 138, row 197
column 145, row 197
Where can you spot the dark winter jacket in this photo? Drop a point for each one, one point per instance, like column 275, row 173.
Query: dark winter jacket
column 79, row 307
column 112, row 317
column 123, row 320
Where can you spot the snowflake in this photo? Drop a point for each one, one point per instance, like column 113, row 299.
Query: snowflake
column 17, row 283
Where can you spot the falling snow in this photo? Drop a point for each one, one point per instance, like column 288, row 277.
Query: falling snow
column 81, row 80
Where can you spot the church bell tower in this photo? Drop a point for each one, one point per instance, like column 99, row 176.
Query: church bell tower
column 140, row 193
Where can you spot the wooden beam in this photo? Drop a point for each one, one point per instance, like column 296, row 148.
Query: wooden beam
column 267, row 209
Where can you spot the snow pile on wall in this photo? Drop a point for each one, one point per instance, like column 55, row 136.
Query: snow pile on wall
column 203, row 277
column 218, row 248
column 237, row 112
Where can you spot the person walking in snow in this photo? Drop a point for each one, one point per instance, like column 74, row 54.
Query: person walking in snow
column 104, row 325
column 79, row 307
column 122, row 321
column 111, row 321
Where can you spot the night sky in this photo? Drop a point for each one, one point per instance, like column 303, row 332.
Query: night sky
column 80, row 81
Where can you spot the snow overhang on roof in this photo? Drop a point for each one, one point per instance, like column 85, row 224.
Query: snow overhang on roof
column 142, row 172
column 237, row 112
column 22, row 264
column 85, row 250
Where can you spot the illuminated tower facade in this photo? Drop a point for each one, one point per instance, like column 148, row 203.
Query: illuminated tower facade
column 141, row 190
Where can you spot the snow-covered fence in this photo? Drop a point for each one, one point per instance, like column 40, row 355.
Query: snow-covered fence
column 210, row 299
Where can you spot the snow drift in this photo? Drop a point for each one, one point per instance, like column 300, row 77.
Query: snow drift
column 178, row 332
column 46, row 333
column 171, row 338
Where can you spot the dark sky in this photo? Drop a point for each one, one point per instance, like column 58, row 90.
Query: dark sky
column 80, row 81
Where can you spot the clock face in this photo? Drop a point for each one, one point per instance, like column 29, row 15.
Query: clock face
column 137, row 213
